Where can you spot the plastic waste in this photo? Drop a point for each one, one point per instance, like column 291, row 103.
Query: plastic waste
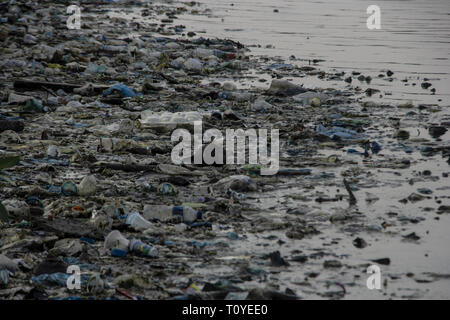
column 87, row 186
column 307, row 98
column 125, row 91
column 4, row 277
column 194, row 65
column 236, row 96
column 95, row 284
column 284, row 88
column 229, row 86
column 339, row 132
column 141, row 248
column 235, row 195
column 137, row 222
column 118, row 253
column 167, row 189
column 8, row 264
column 203, row 53
column 375, row 147
column 169, row 213
column 34, row 105
column 69, row 189
column 261, row 105
column 116, row 240
column 53, row 151
column 239, row 183
column 95, row 68
column 16, row 208
column 13, row 64
column 115, row 49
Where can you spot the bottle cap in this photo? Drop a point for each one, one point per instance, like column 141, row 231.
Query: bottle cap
column 115, row 252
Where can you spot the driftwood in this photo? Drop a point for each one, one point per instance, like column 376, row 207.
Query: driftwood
column 350, row 192
column 16, row 126
column 125, row 167
column 42, row 85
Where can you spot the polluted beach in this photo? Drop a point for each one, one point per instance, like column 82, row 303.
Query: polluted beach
column 220, row 150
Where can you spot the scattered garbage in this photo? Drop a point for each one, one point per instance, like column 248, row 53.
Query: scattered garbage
column 87, row 175
column 168, row 213
column 137, row 222
column 138, row 246
column 285, row 88
column 124, row 90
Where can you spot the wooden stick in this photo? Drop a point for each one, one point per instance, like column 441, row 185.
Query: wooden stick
column 350, row 192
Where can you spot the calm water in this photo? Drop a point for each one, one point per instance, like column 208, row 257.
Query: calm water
column 414, row 40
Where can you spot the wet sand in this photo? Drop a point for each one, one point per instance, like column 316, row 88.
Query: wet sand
column 419, row 265
column 414, row 43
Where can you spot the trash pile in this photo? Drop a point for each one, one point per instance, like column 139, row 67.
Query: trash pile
column 87, row 177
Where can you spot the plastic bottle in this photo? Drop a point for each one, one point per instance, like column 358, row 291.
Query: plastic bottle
column 236, row 96
column 116, row 240
column 167, row 213
column 137, row 222
column 224, row 55
column 4, row 277
column 115, row 49
column 138, row 246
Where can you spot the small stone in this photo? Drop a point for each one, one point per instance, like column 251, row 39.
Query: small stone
column 276, row 259
column 402, row 134
column 425, row 85
column 414, row 197
column 383, row 261
column 300, row 258
column 443, row 209
column 359, row 243
column 424, row 191
column 412, row 236
column 332, row 264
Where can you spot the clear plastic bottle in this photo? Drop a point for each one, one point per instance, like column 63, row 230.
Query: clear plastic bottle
column 137, row 222
column 168, row 213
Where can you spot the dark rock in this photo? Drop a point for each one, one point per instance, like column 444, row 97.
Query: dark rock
column 276, row 259
column 359, row 243
column 332, row 264
column 383, row 261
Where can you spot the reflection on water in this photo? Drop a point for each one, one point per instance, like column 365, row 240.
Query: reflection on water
column 414, row 39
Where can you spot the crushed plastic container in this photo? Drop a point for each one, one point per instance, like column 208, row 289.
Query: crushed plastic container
column 137, row 222
column 169, row 213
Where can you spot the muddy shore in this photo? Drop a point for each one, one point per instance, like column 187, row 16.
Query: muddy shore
column 81, row 154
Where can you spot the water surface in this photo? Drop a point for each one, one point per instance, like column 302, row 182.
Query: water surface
column 413, row 42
